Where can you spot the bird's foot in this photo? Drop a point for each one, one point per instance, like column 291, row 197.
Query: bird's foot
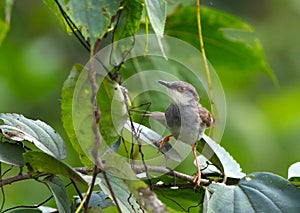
column 197, row 180
column 163, row 141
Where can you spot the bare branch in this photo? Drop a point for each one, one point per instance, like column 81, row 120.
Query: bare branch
column 13, row 179
column 158, row 169
column 164, row 170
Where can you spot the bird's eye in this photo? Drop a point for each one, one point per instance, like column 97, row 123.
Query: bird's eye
column 181, row 89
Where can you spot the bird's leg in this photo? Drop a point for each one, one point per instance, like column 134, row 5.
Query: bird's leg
column 163, row 141
column 197, row 178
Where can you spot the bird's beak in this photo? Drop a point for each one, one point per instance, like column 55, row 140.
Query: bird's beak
column 165, row 83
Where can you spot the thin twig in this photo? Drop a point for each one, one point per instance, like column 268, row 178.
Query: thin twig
column 164, row 170
column 13, row 179
column 77, row 189
column 88, row 195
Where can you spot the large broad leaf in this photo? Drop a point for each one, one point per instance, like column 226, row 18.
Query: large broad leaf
column 17, row 127
column 67, row 113
column 42, row 163
column 257, row 192
column 92, row 17
column 113, row 109
column 12, row 154
column 219, row 157
column 58, row 189
column 111, row 102
column 226, row 39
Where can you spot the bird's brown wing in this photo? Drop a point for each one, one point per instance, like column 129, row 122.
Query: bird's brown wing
column 205, row 116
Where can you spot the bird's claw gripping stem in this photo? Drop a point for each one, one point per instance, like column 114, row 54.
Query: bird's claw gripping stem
column 163, row 141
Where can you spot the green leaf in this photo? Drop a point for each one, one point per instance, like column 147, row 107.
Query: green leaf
column 11, row 154
column 82, row 116
column 58, row 189
column 113, row 110
column 42, row 163
column 219, row 157
column 226, row 38
column 157, row 12
column 117, row 165
column 187, row 200
column 257, row 192
column 17, row 127
column 92, row 17
column 111, row 103
column 51, row 4
column 129, row 21
column 5, row 8
column 67, row 112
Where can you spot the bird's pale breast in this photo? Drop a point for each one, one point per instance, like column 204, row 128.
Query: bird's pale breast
column 184, row 123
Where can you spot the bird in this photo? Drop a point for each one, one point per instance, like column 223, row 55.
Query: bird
column 186, row 118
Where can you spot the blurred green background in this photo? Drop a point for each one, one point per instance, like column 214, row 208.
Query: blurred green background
column 263, row 121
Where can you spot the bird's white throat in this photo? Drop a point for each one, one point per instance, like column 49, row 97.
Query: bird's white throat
column 179, row 98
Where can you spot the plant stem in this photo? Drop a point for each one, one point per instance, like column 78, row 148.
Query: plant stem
column 209, row 83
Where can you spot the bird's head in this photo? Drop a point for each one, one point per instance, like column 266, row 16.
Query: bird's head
column 180, row 93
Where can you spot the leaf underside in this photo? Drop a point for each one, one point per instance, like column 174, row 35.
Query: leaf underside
column 18, row 128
